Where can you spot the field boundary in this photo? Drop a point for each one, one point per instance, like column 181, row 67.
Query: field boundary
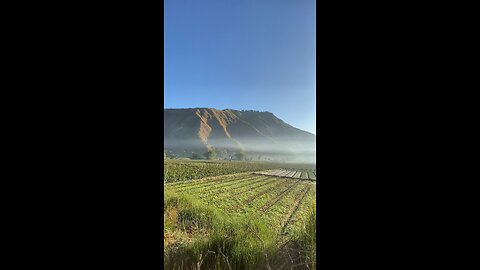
column 285, row 176
column 280, row 196
column 300, row 196
column 167, row 184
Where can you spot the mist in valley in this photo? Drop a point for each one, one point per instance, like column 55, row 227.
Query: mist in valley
column 251, row 150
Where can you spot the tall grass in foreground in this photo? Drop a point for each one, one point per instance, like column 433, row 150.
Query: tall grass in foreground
column 308, row 236
column 213, row 240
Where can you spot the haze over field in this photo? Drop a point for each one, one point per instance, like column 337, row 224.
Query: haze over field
column 258, row 134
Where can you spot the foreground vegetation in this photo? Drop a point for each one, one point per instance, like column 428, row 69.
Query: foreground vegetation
column 240, row 221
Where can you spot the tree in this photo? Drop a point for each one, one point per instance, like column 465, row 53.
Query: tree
column 223, row 153
column 170, row 154
column 195, row 156
column 240, row 155
column 210, row 154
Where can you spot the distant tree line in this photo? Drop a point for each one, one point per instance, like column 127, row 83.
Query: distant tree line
column 219, row 154
column 253, row 111
column 225, row 154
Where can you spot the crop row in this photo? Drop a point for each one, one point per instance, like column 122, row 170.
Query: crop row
column 299, row 198
column 297, row 220
column 280, row 184
column 215, row 183
column 256, row 187
column 238, row 186
column 262, row 201
column 200, row 183
column 279, row 197
column 210, row 179
column 298, row 174
column 281, row 208
column 175, row 171
column 215, row 190
column 233, row 203
column 273, row 204
column 228, row 201
column 281, row 202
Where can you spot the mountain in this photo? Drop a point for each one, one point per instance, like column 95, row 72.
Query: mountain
column 255, row 133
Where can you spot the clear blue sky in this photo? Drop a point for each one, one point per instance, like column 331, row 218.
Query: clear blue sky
column 242, row 54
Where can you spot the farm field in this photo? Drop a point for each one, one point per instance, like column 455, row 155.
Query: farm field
column 180, row 170
column 295, row 174
column 251, row 195
column 184, row 170
column 242, row 220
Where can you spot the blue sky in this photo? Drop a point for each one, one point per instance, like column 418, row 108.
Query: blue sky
column 241, row 54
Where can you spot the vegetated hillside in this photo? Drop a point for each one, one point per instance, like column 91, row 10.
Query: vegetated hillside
column 230, row 131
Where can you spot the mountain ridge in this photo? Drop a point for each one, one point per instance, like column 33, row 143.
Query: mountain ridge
column 199, row 129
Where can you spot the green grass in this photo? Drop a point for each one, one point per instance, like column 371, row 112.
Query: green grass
column 209, row 225
column 180, row 170
column 185, row 170
column 237, row 242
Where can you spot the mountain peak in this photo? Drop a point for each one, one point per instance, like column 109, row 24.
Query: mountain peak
column 214, row 109
column 197, row 129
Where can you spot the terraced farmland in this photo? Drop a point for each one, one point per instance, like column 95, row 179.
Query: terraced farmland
column 280, row 200
column 185, row 170
column 295, row 174
column 180, row 170
column 243, row 215
column 245, row 193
